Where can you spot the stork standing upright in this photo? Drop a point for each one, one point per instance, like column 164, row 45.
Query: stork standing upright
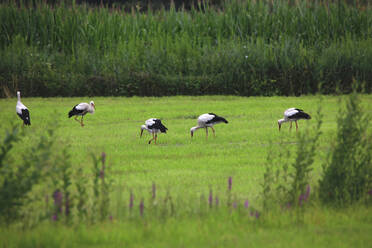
column 293, row 114
column 81, row 109
column 153, row 126
column 22, row 111
column 208, row 120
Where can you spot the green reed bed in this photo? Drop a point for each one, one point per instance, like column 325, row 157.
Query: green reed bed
column 242, row 48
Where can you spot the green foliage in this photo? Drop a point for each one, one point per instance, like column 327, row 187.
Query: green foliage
column 45, row 166
column 81, row 183
column 322, row 228
column 303, row 164
column 6, row 146
column 287, row 176
column 101, row 189
column 243, row 48
column 348, row 170
column 18, row 180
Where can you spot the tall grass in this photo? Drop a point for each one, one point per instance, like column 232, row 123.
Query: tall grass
column 243, row 48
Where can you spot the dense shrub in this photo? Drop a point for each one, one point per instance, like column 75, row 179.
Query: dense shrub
column 17, row 180
column 287, row 178
column 348, row 171
column 42, row 170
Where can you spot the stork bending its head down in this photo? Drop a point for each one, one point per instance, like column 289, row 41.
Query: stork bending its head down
column 22, row 111
column 153, row 126
column 81, row 109
column 207, row 120
column 293, row 114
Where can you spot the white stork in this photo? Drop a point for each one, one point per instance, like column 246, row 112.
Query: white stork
column 153, row 126
column 293, row 114
column 207, row 120
column 22, row 111
column 81, row 109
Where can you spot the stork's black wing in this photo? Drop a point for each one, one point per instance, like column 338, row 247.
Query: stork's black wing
column 300, row 115
column 25, row 116
column 158, row 125
column 75, row 111
column 216, row 119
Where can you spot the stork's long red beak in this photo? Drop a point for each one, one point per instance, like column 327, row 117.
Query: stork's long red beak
column 141, row 133
column 279, row 126
column 192, row 134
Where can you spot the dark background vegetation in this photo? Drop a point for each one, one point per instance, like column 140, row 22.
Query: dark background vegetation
column 158, row 48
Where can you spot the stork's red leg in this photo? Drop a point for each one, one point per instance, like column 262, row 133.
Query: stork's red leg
column 296, row 126
column 156, row 136
column 290, row 127
column 214, row 133
column 77, row 119
column 152, row 138
column 206, row 132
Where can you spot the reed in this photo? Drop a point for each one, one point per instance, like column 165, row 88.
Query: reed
column 244, row 48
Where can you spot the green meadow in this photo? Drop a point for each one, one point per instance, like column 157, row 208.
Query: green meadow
column 186, row 169
column 177, row 161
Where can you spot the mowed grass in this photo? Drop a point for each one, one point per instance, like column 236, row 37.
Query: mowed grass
column 188, row 168
column 178, row 163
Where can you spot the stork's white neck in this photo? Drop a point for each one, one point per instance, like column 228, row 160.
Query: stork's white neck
column 193, row 129
column 281, row 121
column 19, row 95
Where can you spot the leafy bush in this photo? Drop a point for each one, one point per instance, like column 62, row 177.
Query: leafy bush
column 40, row 168
column 287, row 176
column 17, row 180
column 348, row 170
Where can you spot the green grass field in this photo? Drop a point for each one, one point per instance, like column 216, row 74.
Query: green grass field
column 188, row 168
column 351, row 228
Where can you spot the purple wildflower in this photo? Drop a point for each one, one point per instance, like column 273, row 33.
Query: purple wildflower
column 307, row 193
column 54, row 217
column 141, row 207
column 300, row 199
column 246, row 204
column 153, row 191
column 210, row 198
column 67, row 206
column 235, row 204
column 304, row 197
column 257, row 215
column 251, row 213
column 131, row 199
column 111, row 218
column 103, row 158
column 57, row 196
column 102, row 171
column 230, row 183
